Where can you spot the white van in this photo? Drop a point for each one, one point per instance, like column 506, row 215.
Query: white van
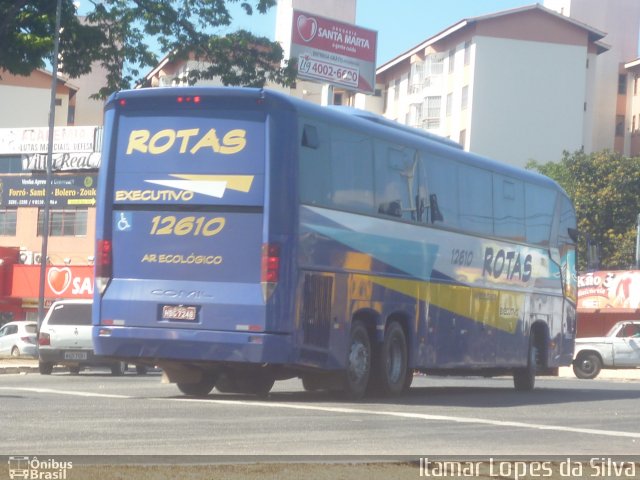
column 65, row 339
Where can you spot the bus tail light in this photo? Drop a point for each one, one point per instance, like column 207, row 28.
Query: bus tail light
column 104, row 259
column 270, row 269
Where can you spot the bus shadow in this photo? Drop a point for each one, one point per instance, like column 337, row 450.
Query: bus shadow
column 484, row 396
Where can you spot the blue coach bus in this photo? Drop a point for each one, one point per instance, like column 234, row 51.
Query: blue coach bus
column 245, row 236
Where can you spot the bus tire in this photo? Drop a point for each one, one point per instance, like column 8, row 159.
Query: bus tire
column 524, row 379
column 391, row 361
column 198, row 389
column 358, row 372
column 587, row 366
column 258, row 384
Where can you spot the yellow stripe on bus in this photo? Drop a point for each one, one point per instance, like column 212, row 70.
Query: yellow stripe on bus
column 494, row 308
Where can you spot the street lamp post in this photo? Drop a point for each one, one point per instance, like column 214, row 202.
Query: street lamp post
column 47, row 196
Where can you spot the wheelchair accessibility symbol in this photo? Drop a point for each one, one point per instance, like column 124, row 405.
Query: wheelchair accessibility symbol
column 123, row 221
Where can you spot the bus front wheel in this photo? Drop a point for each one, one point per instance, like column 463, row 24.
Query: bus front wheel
column 358, row 370
column 524, row 379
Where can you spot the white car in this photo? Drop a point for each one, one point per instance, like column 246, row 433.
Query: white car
column 65, row 339
column 619, row 348
column 19, row 339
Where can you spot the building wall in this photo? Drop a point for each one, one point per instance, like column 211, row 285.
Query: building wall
column 77, row 249
column 620, row 19
column 26, row 100
column 528, row 100
column 89, row 111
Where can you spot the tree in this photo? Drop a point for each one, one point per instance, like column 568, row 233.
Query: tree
column 605, row 189
column 120, row 35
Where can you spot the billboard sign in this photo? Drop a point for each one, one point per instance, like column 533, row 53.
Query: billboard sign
column 333, row 52
column 17, row 141
column 65, row 191
column 60, row 281
column 609, row 289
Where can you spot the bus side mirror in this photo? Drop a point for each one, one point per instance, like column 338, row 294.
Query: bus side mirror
column 573, row 234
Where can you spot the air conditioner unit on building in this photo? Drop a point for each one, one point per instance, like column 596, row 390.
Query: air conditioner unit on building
column 37, row 258
column 26, row 257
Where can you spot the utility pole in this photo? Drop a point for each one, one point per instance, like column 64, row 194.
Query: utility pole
column 47, row 186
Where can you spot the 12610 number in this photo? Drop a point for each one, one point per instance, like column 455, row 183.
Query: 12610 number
column 171, row 225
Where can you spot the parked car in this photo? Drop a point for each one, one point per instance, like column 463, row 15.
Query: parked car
column 19, row 339
column 65, row 339
column 619, row 348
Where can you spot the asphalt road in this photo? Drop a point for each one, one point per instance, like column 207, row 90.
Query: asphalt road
column 96, row 414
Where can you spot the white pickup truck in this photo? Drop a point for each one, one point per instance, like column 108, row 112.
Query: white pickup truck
column 619, row 348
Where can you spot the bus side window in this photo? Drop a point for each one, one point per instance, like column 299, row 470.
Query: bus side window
column 475, row 188
column 442, row 181
column 351, row 171
column 310, row 137
column 539, row 207
column 567, row 228
column 508, row 204
column 396, row 180
column 315, row 164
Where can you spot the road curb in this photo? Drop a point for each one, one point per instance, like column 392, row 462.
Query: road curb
column 17, row 370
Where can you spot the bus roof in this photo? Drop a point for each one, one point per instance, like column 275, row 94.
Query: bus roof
column 347, row 116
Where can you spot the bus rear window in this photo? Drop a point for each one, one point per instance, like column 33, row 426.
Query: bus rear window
column 192, row 159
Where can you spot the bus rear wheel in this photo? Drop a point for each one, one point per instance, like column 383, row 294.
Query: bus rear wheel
column 356, row 377
column 391, row 361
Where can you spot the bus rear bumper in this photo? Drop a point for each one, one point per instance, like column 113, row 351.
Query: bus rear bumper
column 156, row 344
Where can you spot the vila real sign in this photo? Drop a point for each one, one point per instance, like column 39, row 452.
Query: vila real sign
column 74, row 148
column 333, row 52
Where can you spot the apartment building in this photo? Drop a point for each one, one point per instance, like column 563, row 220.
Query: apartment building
column 526, row 84
column 611, row 116
column 513, row 85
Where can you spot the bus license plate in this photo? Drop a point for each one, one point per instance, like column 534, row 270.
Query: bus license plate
column 179, row 312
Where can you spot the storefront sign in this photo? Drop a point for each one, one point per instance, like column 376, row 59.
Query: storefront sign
column 15, row 141
column 333, row 52
column 61, row 281
column 61, row 161
column 609, row 289
column 66, row 191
